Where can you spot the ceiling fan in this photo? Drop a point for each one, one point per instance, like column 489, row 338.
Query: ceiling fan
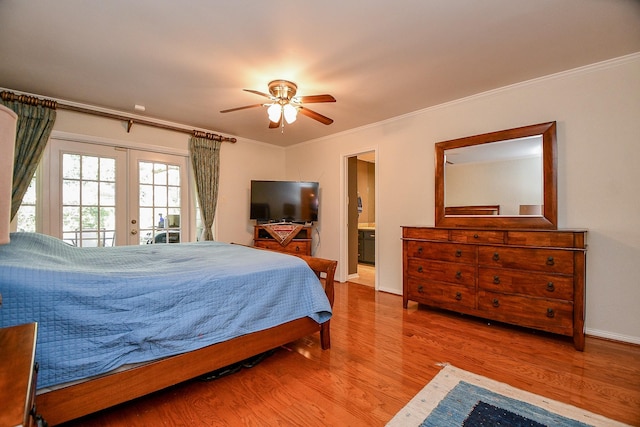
column 284, row 105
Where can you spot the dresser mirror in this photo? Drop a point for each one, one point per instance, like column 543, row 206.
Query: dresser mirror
column 500, row 179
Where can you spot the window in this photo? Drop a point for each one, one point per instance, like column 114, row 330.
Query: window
column 26, row 215
column 88, row 200
column 160, row 202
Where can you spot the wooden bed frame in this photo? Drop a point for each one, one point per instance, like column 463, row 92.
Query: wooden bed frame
column 75, row 401
column 472, row 210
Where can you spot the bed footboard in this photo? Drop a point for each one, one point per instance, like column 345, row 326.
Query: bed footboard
column 78, row 400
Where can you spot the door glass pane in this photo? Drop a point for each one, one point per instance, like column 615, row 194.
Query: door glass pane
column 159, row 202
column 107, row 169
column 88, row 200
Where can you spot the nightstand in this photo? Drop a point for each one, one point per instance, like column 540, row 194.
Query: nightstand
column 18, row 376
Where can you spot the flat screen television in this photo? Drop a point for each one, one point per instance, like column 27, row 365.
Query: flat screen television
column 284, row 201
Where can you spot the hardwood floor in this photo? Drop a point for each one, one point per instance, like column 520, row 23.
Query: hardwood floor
column 366, row 275
column 381, row 356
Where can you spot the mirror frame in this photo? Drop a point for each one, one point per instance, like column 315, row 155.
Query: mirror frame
column 549, row 217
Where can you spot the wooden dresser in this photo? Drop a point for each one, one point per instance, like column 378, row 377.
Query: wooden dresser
column 531, row 278
column 300, row 245
column 18, row 376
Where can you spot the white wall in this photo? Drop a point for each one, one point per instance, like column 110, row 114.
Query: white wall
column 597, row 110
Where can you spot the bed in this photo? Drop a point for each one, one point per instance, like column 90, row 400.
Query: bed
column 118, row 323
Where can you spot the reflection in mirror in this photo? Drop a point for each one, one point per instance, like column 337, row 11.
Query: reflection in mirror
column 499, row 179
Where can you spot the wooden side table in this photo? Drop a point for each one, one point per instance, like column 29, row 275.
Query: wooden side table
column 18, row 375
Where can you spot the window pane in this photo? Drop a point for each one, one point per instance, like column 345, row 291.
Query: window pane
column 70, row 192
column 70, row 218
column 159, row 173
column 26, row 215
column 71, row 166
column 27, row 218
column 174, row 175
column 90, row 167
column 174, row 196
column 107, row 169
column 89, row 219
column 146, row 218
column 145, row 172
column 159, row 195
column 107, row 194
column 90, row 193
column 30, row 196
column 108, row 218
column 146, row 195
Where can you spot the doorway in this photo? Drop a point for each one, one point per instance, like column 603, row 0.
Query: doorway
column 361, row 218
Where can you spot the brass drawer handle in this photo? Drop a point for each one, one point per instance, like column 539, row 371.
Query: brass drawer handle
column 496, row 303
column 420, row 250
column 496, row 280
column 475, row 236
column 458, row 296
column 458, row 274
column 458, row 253
column 421, row 289
column 550, row 261
column 551, row 287
column 420, row 269
column 496, row 256
column 550, row 313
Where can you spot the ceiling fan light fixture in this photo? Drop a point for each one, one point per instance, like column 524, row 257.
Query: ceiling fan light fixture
column 284, row 105
column 274, row 111
column 290, row 113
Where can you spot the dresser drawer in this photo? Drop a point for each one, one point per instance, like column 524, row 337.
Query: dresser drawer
column 547, row 260
column 425, row 233
column 477, row 236
column 558, row 239
column 526, row 283
column 465, row 254
column 548, row 315
column 452, row 297
column 459, row 274
column 294, row 247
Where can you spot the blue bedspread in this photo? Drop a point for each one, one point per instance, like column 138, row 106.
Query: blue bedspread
column 100, row 308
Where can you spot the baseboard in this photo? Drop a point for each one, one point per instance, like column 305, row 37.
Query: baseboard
column 612, row 336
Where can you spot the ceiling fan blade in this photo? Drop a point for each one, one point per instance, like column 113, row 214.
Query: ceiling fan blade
column 241, row 108
column 316, row 116
column 258, row 93
column 274, row 125
column 315, row 98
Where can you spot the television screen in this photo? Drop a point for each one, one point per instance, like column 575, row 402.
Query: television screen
column 290, row 201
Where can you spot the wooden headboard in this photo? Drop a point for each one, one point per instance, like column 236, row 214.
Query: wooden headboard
column 472, row 210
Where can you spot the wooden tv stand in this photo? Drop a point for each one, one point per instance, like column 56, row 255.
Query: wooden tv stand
column 300, row 245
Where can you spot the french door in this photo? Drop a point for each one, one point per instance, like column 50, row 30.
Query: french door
column 158, row 197
column 102, row 195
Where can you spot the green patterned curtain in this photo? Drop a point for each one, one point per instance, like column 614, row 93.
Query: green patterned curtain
column 205, row 159
column 35, row 122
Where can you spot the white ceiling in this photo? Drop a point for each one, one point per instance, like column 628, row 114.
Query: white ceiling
column 187, row 60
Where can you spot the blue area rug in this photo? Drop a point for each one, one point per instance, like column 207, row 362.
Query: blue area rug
column 459, row 398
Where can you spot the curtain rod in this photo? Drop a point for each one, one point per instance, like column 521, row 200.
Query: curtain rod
column 31, row 100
